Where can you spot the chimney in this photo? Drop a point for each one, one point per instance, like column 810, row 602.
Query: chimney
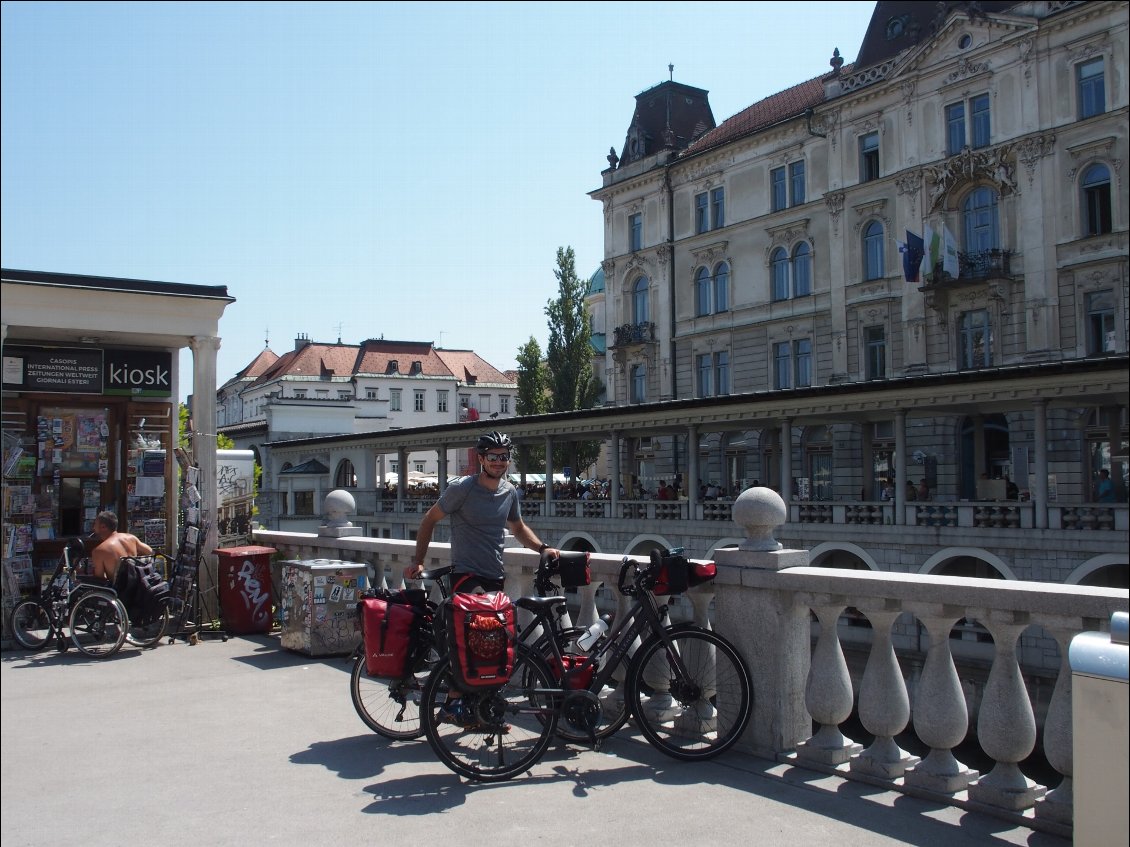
column 301, row 341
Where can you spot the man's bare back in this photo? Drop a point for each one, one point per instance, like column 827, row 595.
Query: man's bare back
column 113, row 545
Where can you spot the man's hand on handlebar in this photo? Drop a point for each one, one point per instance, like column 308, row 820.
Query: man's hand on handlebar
column 414, row 570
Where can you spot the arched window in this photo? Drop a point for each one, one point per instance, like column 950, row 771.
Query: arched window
column 779, row 271
column 722, row 287
column 873, row 251
column 802, row 270
column 702, row 292
column 639, row 301
column 1096, row 200
column 982, row 226
column 346, row 476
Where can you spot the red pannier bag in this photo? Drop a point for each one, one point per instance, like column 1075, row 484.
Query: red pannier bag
column 674, row 574
column 481, row 634
column 389, row 629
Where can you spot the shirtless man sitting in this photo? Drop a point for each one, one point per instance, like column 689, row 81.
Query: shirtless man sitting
column 113, row 545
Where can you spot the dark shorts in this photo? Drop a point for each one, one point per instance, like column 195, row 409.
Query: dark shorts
column 469, row 583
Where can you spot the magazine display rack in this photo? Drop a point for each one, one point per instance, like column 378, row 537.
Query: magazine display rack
column 188, row 610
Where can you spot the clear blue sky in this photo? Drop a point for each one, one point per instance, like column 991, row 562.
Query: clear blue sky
column 363, row 169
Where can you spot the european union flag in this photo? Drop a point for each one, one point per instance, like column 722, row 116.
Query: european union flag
column 912, row 253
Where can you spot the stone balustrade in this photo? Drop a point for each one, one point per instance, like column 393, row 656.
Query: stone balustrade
column 791, row 623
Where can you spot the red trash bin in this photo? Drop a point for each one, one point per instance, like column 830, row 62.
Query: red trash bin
column 245, row 589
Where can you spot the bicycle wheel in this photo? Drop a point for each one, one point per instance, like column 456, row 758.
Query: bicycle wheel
column 696, row 714
column 604, row 713
column 508, row 728
column 389, row 707
column 98, row 625
column 31, row 624
column 149, row 634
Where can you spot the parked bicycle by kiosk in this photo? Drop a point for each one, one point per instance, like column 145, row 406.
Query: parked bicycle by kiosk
column 89, row 615
column 686, row 687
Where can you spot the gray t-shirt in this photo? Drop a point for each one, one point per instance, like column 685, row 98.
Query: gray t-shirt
column 478, row 524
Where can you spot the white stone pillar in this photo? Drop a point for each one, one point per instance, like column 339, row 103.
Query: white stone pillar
column 614, row 483
column 899, row 500
column 691, row 481
column 787, row 492
column 548, row 476
column 204, row 349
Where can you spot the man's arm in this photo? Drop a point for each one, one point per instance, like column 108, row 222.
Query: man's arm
column 423, row 538
column 526, row 536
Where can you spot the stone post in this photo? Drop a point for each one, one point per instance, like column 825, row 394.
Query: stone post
column 770, row 631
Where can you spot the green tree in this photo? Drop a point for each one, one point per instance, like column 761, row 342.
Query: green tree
column 532, row 399
column 569, row 356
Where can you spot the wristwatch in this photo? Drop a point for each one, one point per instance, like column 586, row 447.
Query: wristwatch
column 543, row 547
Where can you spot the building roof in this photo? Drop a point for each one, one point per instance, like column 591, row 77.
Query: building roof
column 898, row 25
column 469, row 367
column 110, row 283
column 378, row 356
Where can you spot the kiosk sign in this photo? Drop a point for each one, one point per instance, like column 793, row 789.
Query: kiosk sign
column 59, row 369
column 145, row 373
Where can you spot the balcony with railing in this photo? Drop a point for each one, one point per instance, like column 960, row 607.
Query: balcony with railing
column 638, row 333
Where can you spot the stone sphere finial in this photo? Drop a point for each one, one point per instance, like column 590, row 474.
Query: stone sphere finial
column 337, row 507
column 759, row 511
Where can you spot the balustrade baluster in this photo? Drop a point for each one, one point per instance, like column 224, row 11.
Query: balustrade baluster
column 939, row 713
column 884, row 706
column 1006, row 727
column 828, row 694
column 1058, row 804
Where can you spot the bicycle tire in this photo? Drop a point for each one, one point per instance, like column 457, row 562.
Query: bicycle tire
column 483, row 753
column 389, row 707
column 98, row 625
column 31, row 624
column 614, row 709
column 697, row 717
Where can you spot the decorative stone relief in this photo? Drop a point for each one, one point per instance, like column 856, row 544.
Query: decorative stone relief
column 966, row 68
column 1031, row 150
column 834, row 200
column 992, row 165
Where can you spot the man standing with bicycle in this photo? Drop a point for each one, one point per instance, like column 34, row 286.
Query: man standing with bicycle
column 482, row 507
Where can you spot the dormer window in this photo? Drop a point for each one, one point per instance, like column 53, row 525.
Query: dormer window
column 393, row 367
column 417, row 367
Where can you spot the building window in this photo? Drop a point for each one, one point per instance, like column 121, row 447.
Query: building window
column 980, row 136
column 322, row 393
column 1092, row 88
column 779, row 271
column 300, row 393
column 722, row 373
column 717, row 208
column 713, row 374
column 712, row 291
column 343, row 395
column 303, row 502
column 981, row 221
column 441, row 401
column 869, row 157
column 418, row 400
column 792, row 363
column 639, row 301
column 504, row 404
column 721, row 287
column 635, row 232
column 1100, row 323
column 873, row 251
column 702, row 286
column 796, row 183
column 875, row 346
column 975, row 340
column 979, row 111
column 778, row 191
column 802, row 270
column 394, row 399
column 370, row 394
column 701, row 213
column 637, row 383
column 705, row 375
column 484, row 404
column 418, row 467
column 346, row 476
column 1096, row 200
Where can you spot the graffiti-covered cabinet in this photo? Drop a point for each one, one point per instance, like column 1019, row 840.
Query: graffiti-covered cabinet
column 319, row 606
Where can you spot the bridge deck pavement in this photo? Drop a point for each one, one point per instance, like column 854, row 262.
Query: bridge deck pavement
column 241, row 742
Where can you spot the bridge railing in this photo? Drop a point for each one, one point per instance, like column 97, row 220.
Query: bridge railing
column 792, row 623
